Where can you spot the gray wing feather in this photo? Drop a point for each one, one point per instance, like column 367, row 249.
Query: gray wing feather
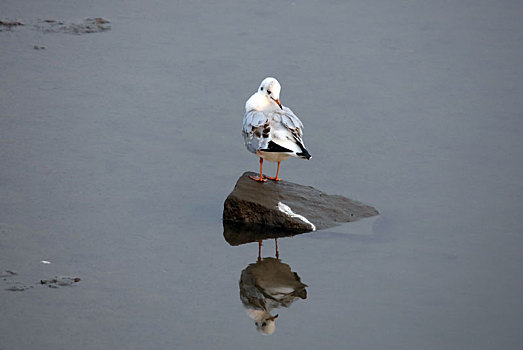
column 291, row 121
column 253, row 124
column 253, row 119
column 256, row 122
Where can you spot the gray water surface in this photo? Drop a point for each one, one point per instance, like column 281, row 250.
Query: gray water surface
column 118, row 148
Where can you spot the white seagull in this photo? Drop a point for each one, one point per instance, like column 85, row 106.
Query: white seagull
column 270, row 130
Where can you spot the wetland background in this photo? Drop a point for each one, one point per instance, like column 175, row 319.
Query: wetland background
column 118, row 148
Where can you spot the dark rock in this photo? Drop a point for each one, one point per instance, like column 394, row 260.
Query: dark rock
column 289, row 206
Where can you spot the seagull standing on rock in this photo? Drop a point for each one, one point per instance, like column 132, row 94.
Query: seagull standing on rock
column 270, row 130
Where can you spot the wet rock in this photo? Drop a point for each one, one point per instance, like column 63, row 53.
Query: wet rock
column 289, row 206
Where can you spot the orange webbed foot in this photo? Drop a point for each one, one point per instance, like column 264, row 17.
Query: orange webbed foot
column 258, row 178
column 273, row 178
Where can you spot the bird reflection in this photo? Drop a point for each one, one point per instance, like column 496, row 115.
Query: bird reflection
column 269, row 284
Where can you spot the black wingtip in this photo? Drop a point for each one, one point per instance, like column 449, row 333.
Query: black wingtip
column 304, row 154
column 274, row 147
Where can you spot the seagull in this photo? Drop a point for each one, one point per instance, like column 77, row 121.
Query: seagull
column 270, row 130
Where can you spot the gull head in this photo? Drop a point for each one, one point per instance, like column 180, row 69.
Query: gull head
column 270, row 88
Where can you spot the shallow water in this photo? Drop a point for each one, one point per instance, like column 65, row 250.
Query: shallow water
column 118, row 149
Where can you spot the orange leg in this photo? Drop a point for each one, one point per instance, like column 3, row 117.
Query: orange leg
column 277, row 172
column 260, row 179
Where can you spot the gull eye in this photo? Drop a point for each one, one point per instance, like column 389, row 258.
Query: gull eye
column 269, row 92
column 261, row 88
column 264, row 324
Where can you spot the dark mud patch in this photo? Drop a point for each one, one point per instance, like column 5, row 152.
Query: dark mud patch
column 86, row 26
column 60, row 282
column 9, row 24
column 13, row 286
column 7, row 273
column 18, row 287
column 8, row 278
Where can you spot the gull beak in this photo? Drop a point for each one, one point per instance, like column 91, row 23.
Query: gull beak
column 278, row 102
column 273, row 317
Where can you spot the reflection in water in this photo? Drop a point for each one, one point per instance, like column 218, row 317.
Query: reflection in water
column 242, row 233
column 266, row 285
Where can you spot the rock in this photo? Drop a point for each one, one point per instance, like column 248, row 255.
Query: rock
column 288, row 207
